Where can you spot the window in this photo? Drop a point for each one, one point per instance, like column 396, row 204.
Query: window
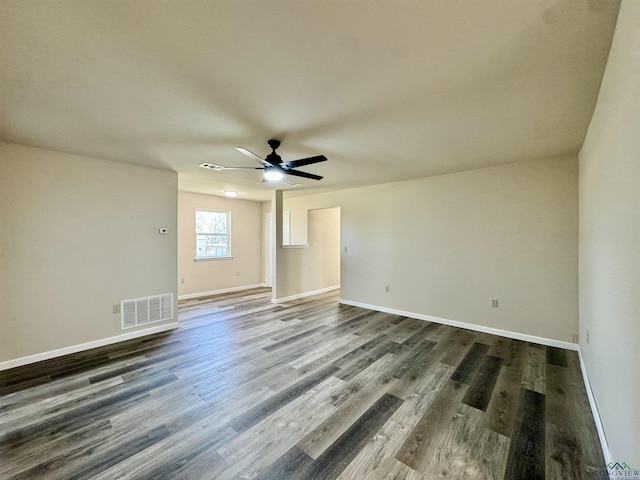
column 213, row 230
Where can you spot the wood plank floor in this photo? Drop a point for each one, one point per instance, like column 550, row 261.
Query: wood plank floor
column 305, row 390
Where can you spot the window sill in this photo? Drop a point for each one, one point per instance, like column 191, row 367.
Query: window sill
column 294, row 246
column 208, row 259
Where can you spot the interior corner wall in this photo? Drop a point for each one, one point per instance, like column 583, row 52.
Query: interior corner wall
column 447, row 245
column 314, row 266
column 610, row 243
column 244, row 269
column 78, row 235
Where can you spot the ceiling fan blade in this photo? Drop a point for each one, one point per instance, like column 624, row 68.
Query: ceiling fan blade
column 249, row 153
column 303, row 161
column 242, row 168
column 298, row 173
column 213, row 166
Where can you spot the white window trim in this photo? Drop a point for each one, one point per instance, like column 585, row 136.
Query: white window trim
column 228, row 234
column 209, row 259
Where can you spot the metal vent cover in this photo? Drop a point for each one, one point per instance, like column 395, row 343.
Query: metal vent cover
column 141, row 311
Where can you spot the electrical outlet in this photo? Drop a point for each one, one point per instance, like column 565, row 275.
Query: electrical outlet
column 386, row 288
column 494, row 302
column 116, row 308
column 182, row 280
column 237, row 274
column 346, row 249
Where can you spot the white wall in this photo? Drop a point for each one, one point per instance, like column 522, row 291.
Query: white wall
column 245, row 268
column 324, row 238
column 315, row 267
column 610, row 243
column 447, row 245
column 267, row 250
column 78, row 235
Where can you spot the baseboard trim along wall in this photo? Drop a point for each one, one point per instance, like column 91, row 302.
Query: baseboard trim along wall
column 469, row 326
column 608, row 458
column 217, row 292
column 515, row 335
column 305, row 294
column 18, row 362
column 38, row 357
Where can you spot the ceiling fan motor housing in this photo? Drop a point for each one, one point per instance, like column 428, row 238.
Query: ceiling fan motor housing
column 273, row 143
column 273, row 158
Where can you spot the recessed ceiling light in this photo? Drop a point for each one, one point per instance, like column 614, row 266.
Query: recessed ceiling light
column 230, row 193
column 272, row 175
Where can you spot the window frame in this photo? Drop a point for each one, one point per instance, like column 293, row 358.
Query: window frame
column 227, row 256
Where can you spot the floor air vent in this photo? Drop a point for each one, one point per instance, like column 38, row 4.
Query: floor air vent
column 140, row 311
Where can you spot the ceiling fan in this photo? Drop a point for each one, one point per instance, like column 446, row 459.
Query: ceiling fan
column 273, row 166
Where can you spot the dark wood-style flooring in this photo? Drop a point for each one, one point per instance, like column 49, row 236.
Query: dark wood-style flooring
column 305, row 390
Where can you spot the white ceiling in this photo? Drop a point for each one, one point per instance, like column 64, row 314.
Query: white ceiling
column 387, row 90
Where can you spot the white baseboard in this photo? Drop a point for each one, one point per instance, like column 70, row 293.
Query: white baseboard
column 608, row 458
column 38, row 357
column 217, row 292
column 305, row 294
column 518, row 336
column 18, row 362
column 469, row 326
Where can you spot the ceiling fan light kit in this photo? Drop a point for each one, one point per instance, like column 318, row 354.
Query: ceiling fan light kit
column 272, row 174
column 273, row 166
